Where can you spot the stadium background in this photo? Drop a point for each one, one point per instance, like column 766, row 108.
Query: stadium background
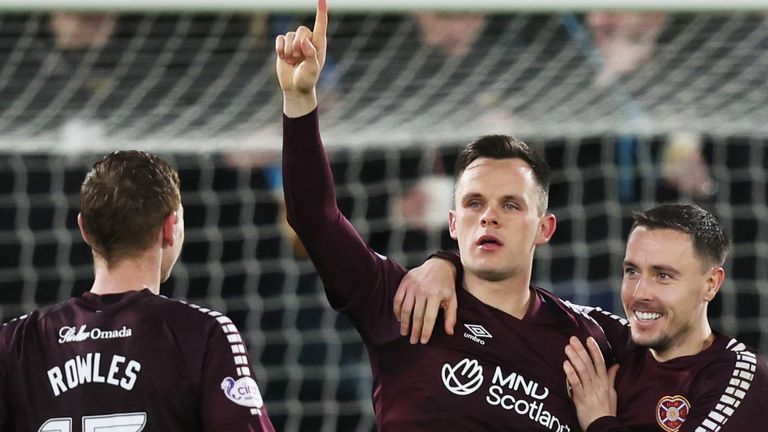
column 675, row 110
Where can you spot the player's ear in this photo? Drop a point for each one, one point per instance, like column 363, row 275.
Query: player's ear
column 168, row 231
column 715, row 278
column 452, row 224
column 547, row 226
column 82, row 229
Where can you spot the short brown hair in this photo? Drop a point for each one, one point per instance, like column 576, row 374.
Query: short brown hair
column 507, row 147
column 710, row 242
column 124, row 200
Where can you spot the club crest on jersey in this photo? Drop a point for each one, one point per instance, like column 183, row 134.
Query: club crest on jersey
column 671, row 412
column 244, row 392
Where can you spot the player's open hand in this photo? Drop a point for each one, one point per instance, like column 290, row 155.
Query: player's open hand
column 591, row 383
column 421, row 294
column 301, row 54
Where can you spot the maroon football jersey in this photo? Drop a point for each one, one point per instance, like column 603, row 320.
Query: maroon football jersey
column 721, row 389
column 497, row 373
column 130, row 362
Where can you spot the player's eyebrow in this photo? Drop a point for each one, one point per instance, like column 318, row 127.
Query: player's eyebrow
column 656, row 267
column 509, row 197
column 472, row 195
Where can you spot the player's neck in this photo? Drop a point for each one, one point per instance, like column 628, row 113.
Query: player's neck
column 697, row 340
column 511, row 295
column 133, row 274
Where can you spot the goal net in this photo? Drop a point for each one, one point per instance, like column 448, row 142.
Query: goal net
column 631, row 109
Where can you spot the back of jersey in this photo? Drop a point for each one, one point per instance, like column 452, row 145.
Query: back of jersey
column 130, row 362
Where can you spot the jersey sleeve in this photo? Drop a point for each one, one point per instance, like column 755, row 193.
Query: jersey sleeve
column 730, row 395
column 358, row 281
column 607, row 424
column 231, row 400
column 4, row 392
column 616, row 329
column 453, row 258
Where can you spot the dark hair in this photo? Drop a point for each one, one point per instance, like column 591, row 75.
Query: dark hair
column 124, row 201
column 709, row 240
column 506, row 147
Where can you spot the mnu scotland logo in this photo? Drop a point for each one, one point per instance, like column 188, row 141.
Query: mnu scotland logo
column 464, row 378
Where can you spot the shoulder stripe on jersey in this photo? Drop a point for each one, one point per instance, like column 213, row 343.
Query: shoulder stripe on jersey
column 23, row 317
column 735, row 345
column 622, row 321
column 738, row 386
column 586, row 310
column 239, row 353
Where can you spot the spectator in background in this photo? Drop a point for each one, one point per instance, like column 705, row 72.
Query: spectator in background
column 452, row 33
column 425, row 204
column 75, row 33
column 683, row 166
column 76, row 30
column 626, row 41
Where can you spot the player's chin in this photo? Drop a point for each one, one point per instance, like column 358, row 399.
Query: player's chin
column 653, row 340
column 492, row 273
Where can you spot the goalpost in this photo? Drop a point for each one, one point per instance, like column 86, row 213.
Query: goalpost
column 630, row 109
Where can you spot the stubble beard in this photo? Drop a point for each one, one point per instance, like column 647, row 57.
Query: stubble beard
column 666, row 341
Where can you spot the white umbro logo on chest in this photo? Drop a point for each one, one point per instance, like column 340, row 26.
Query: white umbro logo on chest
column 477, row 333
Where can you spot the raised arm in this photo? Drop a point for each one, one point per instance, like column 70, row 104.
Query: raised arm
column 357, row 280
column 300, row 58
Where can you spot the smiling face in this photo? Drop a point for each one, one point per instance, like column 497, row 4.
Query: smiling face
column 665, row 291
column 498, row 219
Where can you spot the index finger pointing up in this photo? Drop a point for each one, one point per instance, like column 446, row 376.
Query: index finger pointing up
column 321, row 20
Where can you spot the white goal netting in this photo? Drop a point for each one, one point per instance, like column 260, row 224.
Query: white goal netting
column 630, row 109
column 206, row 81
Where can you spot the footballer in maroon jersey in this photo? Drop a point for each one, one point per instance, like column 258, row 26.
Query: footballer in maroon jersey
column 676, row 373
column 121, row 357
column 721, row 388
column 503, row 371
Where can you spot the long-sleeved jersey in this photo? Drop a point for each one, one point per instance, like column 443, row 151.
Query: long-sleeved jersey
column 498, row 373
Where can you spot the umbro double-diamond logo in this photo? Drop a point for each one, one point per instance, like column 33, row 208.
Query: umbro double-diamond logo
column 477, row 333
